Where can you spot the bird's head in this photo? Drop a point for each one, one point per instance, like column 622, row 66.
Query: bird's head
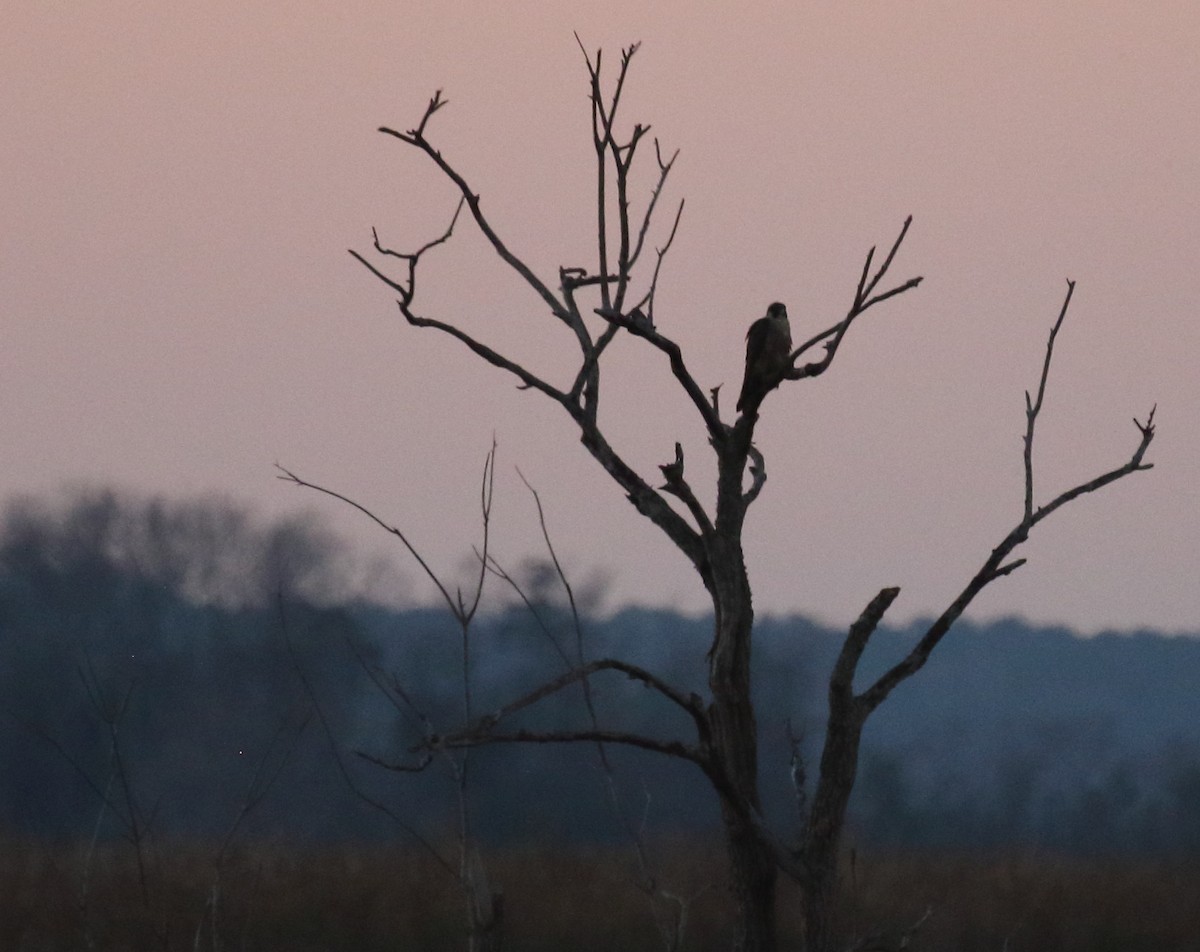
column 777, row 311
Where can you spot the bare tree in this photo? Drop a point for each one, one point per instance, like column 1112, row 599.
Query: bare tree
column 483, row 906
column 724, row 745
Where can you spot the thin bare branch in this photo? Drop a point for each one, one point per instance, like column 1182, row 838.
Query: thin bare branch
column 558, row 569
column 645, row 499
column 648, row 300
column 486, row 489
column 417, row 766
column 1032, row 408
column 664, row 169
column 417, row 139
column 104, row 794
column 669, row 748
column 408, row 289
column 290, row 477
column 677, row 486
column 432, row 243
column 435, row 104
column 529, row 380
column 865, row 293
column 647, row 880
column 997, row 565
column 642, row 326
column 622, row 163
column 497, row 569
column 404, row 290
column 690, row 703
column 1134, row 465
column 394, row 690
column 586, row 375
column 864, row 299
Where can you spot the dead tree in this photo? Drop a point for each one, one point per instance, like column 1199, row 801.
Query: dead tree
column 724, row 745
column 484, row 907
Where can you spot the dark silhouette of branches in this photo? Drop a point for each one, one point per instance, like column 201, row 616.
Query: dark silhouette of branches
column 864, row 299
column 594, row 303
column 484, row 908
column 848, row 711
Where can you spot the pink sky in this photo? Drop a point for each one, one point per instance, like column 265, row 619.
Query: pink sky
column 177, row 309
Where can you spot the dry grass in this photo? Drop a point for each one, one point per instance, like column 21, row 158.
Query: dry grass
column 276, row 898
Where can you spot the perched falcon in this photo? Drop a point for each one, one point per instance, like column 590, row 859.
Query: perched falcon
column 768, row 347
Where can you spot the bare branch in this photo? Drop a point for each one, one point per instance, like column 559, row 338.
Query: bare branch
column 581, row 400
column 408, row 289
column 1032, row 409
column 417, row 766
column 647, row 300
column 103, row 794
column 641, row 326
column 864, row 298
column 505, row 576
column 758, row 471
column 864, row 293
column 997, row 564
column 417, row 139
column 841, row 681
column 622, row 164
column 486, row 487
column 690, row 704
column 645, row 499
column 1134, row 465
column 646, row 880
column 290, row 477
column 587, row 368
column 391, row 688
column 669, row 748
column 664, row 169
column 529, row 380
column 677, row 486
column 435, row 104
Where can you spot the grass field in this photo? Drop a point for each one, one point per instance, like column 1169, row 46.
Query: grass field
column 277, row 898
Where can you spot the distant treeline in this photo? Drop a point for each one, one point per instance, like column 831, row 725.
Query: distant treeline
column 190, row 669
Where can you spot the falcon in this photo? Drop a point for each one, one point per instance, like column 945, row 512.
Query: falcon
column 768, row 349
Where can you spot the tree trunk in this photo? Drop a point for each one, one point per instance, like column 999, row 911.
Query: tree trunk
column 839, row 767
column 735, row 743
column 753, row 873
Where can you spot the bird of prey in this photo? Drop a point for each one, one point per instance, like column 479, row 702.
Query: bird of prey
column 768, row 347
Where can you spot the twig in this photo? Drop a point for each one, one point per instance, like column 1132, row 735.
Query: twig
column 864, row 299
column 677, row 486
column 1033, row 409
column 641, row 326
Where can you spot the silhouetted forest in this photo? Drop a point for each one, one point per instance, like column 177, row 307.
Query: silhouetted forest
column 189, row 668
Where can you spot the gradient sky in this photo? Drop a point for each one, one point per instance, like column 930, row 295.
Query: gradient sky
column 179, row 185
